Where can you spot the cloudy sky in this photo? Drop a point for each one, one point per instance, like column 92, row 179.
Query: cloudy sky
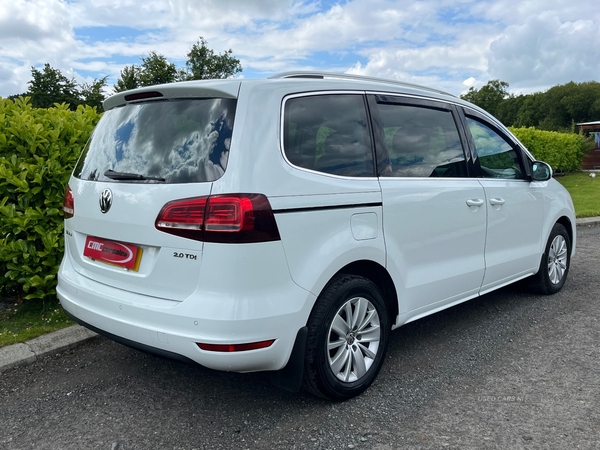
column 447, row 44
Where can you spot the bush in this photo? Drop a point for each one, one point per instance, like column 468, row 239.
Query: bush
column 38, row 150
column 563, row 151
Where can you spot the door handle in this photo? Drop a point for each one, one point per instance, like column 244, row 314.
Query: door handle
column 497, row 201
column 475, row 202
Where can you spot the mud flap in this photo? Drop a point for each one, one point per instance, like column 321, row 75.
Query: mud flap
column 290, row 377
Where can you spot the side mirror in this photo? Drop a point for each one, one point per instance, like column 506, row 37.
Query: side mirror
column 541, row 171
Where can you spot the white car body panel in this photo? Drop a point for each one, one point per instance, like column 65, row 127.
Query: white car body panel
column 158, row 266
column 437, row 259
column 515, row 210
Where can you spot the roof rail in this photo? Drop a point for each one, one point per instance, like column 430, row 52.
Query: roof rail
column 347, row 76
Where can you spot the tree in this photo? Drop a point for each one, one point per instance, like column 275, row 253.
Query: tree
column 489, row 97
column 155, row 69
column 50, row 86
column 91, row 94
column 572, row 103
column 129, row 79
column 559, row 108
column 203, row 64
column 508, row 111
column 531, row 112
column 16, row 96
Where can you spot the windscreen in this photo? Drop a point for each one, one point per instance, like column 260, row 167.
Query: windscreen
column 171, row 141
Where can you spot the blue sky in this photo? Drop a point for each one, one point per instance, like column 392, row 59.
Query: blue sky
column 450, row 45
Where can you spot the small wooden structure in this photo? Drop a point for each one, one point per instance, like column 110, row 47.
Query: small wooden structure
column 591, row 160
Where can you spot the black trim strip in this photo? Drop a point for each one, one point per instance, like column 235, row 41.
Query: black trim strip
column 135, row 345
column 323, row 208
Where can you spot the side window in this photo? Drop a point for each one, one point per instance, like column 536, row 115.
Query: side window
column 497, row 157
column 421, row 142
column 328, row 133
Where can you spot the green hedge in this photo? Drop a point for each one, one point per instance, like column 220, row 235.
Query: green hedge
column 563, row 151
column 38, row 150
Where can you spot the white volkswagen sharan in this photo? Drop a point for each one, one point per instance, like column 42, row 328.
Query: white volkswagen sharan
column 289, row 224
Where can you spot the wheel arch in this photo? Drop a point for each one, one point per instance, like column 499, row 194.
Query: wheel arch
column 377, row 274
column 566, row 222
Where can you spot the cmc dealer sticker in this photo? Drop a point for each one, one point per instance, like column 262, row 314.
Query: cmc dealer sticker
column 116, row 253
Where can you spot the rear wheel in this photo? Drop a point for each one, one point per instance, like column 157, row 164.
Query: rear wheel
column 554, row 266
column 348, row 334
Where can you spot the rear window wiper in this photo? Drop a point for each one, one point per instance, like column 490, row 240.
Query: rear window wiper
column 130, row 176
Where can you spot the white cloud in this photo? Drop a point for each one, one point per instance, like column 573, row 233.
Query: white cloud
column 470, row 82
column 32, row 20
column 531, row 44
column 31, row 33
column 546, row 51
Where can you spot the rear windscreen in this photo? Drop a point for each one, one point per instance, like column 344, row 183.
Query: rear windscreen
column 172, row 141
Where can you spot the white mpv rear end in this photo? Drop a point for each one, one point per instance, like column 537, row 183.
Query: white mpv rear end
column 289, row 224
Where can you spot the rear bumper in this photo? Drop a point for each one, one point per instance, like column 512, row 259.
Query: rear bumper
column 208, row 316
column 135, row 345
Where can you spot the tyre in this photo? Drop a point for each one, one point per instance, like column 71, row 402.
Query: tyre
column 348, row 333
column 554, row 266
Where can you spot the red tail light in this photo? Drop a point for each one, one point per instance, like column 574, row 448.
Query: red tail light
column 187, row 214
column 229, row 214
column 68, row 203
column 231, row 218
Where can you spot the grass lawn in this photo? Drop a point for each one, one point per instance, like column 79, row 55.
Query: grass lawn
column 29, row 319
column 585, row 192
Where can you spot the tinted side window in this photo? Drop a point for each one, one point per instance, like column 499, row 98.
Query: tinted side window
column 497, row 157
column 328, row 133
column 422, row 142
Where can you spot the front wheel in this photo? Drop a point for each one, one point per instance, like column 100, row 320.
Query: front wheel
column 348, row 334
column 556, row 259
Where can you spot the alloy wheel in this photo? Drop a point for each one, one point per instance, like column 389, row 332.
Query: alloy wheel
column 353, row 339
column 557, row 259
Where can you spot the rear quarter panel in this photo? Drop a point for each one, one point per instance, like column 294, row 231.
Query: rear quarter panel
column 316, row 232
